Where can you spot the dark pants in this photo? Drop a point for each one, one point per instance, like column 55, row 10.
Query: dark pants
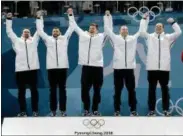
column 91, row 76
column 121, row 77
column 163, row 78
column 57, row 77
column 27, row 78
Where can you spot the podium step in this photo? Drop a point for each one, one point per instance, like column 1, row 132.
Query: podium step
column 93, row 126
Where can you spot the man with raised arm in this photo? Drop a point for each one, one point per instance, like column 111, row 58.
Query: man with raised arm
column 57, row 63
column 91, row 44
column 159, row 45
column 124, row 63
column 26, row 65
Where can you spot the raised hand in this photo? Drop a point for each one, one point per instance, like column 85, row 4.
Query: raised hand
column 39, row 13
column 146, row 15
column 170, row 20
column 107, row 13
column 70, row 11
column 9, row 15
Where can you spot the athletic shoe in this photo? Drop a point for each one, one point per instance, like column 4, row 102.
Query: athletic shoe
column 35, row 114
column 117, row 113
column 22, row 114
column 151, row 113
column 53, row 113
column 133, row 113
column 86, row 113
column 63, row 113
column 96, row 113
column 167, row 114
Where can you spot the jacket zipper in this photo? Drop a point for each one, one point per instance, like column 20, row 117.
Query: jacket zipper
column 56, row 53
column 159, row 51
column 125, row 54
column 27, row 54
column 89, row 50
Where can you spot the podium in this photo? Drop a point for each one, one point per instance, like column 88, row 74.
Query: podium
column 93, row 126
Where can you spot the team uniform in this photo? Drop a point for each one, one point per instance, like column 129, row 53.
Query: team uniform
column 124, row 63
column 26, row 66
column 158, row 63
column 57, row 65
column 91, row 59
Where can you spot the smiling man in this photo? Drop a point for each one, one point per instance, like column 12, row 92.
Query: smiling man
column 91, row 45
column 57, row 64
column 26, row 65
column 158, row 62
column 124, row 63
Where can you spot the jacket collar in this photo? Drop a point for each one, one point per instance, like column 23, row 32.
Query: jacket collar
column 59, row 37
column 30, row 38
column 92, row 35
column 123, row 37
column 163, row 33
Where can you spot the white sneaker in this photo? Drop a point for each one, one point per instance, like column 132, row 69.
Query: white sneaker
column 35, row 114
column 134, row 113
column 96, row 113
column 86, row 113
column 167, row 114
column 151, row 113
column 117, row 113
column 22, row 114
column 52, row 114
column 63, row 113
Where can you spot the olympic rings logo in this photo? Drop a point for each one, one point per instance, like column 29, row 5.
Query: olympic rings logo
column 93, row 123
column 173, row 107
column 142, row 10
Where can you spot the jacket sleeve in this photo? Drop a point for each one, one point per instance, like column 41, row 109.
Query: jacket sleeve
column 105, row 39
column 40, row 31
column 70, row 30
column 10, row 32
column 74, row 25
column 177, row 32
column 108, row 28
column 143, row 28
column 36, row 38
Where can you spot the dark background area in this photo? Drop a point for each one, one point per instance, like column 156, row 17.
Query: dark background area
column 97, row 7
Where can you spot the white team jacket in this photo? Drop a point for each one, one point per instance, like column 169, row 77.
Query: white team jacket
column 90, row 47
column 57, row 56
column 124, row 49
column 26, row 50
column 159, row 46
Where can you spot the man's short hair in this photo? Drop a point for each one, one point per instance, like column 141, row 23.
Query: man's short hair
column 124, row 27
column 94, row 24
column 26, row 29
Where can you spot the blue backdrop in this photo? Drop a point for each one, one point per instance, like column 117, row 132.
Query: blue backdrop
column 74, row 105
